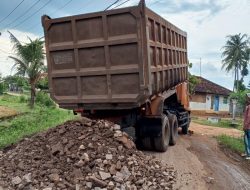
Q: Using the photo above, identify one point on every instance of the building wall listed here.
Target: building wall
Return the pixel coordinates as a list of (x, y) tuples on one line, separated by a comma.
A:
[(198, 102), (202, 102), (223, 106), (208, 101), (197, 106)]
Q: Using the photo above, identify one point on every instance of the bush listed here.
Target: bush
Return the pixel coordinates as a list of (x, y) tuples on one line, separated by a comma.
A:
[(43, 84), (1, 88), (23, 99), (43, 99)]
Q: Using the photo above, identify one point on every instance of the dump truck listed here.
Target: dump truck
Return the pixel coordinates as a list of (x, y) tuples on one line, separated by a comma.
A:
[(128, 65)]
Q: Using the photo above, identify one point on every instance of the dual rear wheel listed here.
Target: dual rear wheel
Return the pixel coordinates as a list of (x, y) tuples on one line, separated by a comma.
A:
[(167, 135)]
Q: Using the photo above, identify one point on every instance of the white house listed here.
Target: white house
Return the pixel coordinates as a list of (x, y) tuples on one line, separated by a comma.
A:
[(209, 97)]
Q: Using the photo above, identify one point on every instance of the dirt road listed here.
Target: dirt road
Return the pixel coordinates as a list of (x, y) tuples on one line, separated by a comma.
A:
[(200, 163)]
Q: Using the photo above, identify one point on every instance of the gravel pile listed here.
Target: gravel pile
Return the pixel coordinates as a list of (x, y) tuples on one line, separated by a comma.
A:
[(81, 155)]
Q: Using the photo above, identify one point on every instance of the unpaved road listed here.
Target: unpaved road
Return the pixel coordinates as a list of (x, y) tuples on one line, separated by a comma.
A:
[(201, 164)]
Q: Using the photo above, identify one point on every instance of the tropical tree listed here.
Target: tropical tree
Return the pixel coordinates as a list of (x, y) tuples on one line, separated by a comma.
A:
[(236, 57), (1, 84), (29, 62), (193, 81)]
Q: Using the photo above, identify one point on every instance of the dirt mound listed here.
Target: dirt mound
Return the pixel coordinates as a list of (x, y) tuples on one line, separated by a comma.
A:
[(82, 155)]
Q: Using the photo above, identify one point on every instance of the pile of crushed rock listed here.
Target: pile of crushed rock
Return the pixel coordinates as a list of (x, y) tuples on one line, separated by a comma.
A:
[(79, 155)]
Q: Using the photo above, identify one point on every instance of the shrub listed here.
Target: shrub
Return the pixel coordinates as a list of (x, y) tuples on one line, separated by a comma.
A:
[(43, 99), (23, 99), (1, 88)]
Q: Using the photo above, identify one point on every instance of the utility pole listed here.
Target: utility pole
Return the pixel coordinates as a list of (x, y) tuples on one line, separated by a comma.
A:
[(200, 67)]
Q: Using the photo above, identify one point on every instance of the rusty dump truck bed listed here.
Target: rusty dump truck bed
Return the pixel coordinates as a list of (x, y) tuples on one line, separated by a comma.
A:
[(113, 59)]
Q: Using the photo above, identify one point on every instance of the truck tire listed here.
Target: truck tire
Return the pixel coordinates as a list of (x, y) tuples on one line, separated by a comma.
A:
[(161, 143), (142, 143), (184, 129), (173, 123), (146, 143)]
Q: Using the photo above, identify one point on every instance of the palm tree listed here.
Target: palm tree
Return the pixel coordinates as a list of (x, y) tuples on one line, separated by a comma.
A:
[(236, 57), (29, 62)]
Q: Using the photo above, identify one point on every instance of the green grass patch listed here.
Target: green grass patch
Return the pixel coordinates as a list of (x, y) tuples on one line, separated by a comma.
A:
[(29, 121), (235, 144), (224, 123), (33, 122), (14, 102)]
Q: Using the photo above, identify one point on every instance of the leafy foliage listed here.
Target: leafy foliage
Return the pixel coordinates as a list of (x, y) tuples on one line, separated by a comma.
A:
[(43, 99), (23, 99), (240, 96), (2, 86), (192, 81), (236, 57), (43, 83), (19, 80), (29, 61), (241, 86)]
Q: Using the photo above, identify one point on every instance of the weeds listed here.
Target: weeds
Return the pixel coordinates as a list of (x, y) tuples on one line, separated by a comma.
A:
[(235, 144), (224, 123), (31, 121)]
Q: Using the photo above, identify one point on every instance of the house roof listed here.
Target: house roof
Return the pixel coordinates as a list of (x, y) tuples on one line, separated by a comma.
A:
[(207, 86)]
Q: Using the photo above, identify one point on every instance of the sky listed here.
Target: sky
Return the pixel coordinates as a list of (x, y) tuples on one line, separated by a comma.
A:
[(207, 23)]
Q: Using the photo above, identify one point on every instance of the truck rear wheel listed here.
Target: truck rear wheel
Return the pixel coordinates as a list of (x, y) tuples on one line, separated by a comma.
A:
[(173, 123), (161, 143), (146, 143), (143, 143), (184, 129)]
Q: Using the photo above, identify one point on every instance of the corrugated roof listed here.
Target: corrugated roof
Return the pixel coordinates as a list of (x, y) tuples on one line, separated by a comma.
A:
[(207, 86)]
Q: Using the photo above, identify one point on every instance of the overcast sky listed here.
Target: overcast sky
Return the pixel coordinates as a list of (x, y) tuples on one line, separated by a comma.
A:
[(207, 23)]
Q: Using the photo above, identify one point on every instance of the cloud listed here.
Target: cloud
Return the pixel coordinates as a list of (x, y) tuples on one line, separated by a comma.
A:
[(210, 71), (202, 8)]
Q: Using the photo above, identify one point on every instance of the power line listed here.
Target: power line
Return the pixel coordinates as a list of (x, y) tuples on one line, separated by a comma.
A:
[(35, 27), (31, 15), (63, 6), (27, 11), (12, 11), (111, 5), (155, 2), (89, 3), (121, 4)]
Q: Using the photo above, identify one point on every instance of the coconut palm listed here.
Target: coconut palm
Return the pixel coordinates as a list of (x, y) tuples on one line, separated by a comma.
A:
[(236, 57), (29, 62)]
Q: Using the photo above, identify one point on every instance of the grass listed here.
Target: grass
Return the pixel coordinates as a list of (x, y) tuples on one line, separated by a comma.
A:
[(14, 102), (30, 121), (224, 123), (7, 112), (235, 144)]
